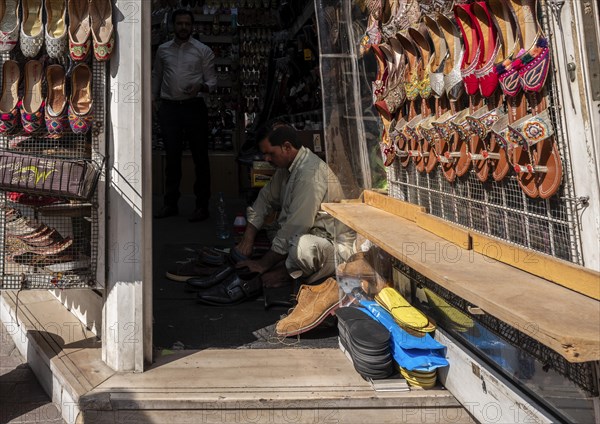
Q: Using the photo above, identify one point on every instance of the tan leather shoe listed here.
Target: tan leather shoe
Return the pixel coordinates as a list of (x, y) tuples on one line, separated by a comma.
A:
[(102, 28), (315, 303)]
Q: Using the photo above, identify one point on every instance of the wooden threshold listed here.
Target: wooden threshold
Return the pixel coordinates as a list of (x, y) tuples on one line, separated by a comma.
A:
[(561, 319)]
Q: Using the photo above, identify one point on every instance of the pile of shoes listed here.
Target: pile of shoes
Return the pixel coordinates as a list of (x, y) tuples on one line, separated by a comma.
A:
[(33, 243), (216, 280), (366, 342)]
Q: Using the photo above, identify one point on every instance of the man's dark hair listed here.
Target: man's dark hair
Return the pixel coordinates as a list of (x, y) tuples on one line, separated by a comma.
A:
[(265, 130), (282, 134), (181, 12)]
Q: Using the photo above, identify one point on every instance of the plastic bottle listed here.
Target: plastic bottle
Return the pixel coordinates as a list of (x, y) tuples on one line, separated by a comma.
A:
[(222, 226), (239, 224)]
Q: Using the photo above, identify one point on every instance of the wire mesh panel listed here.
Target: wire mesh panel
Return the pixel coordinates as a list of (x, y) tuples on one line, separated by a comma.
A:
[(48, 199)]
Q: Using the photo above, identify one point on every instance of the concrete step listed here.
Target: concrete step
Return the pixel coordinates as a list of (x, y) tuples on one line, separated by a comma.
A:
[(208, 386)]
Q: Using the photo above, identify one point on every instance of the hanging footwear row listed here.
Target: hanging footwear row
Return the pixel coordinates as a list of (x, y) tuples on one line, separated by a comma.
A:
[(54, 113), (54, 56), (33, 23), (461, 84)]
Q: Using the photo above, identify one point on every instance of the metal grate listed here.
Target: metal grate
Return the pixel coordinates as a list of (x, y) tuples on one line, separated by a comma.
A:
[(580, 374), (501, 209), (49, 237)]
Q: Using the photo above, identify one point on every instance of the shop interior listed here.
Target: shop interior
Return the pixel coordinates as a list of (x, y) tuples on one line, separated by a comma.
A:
[(267, 64)]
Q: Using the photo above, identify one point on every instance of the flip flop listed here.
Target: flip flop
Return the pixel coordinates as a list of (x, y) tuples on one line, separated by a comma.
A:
[(406, 315)]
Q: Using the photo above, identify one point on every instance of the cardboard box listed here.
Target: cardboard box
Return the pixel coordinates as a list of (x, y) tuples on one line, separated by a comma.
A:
[(260, 177)]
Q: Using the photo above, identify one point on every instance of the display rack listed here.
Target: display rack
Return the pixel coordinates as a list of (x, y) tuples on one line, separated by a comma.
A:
[(49, 229)]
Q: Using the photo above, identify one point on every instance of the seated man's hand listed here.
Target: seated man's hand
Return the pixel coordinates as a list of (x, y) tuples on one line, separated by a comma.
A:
[(253, 266), (244, 248)]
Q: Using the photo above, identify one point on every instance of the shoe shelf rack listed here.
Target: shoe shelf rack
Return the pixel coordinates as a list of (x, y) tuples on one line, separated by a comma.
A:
[(502, 209), (49, 221)]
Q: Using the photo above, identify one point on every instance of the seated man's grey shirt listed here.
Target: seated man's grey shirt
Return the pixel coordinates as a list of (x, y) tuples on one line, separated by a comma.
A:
[(297, 193)]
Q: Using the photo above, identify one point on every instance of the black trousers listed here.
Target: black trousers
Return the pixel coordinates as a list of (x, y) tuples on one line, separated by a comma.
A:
[(181, 121)]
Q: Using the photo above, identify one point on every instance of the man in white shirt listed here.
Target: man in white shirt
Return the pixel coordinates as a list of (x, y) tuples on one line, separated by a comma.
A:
[(183, 71)]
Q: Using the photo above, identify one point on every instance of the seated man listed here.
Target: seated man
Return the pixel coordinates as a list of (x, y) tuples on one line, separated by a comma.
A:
[(303, 246)]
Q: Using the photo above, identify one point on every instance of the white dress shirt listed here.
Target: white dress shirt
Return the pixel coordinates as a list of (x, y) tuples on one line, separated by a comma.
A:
[(180, 69)]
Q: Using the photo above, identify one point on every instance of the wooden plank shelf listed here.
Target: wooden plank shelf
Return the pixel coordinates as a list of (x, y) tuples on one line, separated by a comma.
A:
[(563, 320)]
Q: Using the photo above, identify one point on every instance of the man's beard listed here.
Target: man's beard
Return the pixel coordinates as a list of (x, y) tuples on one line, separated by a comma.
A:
[(183, 35)]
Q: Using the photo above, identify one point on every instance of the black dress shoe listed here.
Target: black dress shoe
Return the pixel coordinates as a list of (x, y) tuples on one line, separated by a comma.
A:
[(232, 291), (216, 277), (199, 215), (166, 211)]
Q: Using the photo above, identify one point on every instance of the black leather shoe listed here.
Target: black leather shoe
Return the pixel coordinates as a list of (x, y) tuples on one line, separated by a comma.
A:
[(166, 211), (216, 277), (199, 215), (233, 291)]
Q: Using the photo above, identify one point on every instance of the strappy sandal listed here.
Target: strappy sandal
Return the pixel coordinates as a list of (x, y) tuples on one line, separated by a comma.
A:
[(410, 132), (426, 139), (521, 156), (429, 135), (387, 145), (443, 143), (545, 164), (400, 141), (460, 146), (481, 123)]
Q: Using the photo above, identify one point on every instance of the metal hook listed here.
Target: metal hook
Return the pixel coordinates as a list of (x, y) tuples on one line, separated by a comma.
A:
[(556, 7), (583, 201)]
